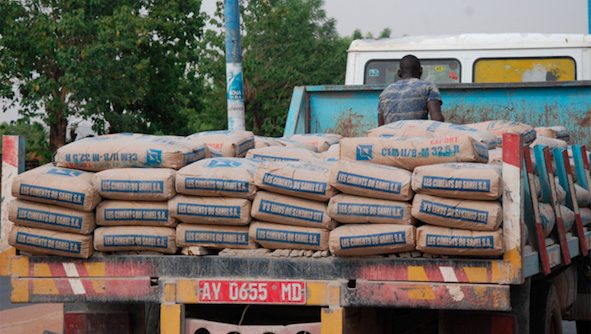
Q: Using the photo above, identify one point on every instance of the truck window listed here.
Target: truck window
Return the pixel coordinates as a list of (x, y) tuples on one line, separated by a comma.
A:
[(385, 71), (524, 69)]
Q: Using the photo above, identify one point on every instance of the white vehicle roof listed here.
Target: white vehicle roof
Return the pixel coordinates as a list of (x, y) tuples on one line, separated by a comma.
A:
[(472, 42)]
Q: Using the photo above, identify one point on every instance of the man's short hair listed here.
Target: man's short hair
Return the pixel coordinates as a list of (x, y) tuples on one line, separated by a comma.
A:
[(410, 64)]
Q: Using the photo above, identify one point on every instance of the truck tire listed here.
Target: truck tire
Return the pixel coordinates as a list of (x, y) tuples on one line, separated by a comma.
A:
[(546, 317)]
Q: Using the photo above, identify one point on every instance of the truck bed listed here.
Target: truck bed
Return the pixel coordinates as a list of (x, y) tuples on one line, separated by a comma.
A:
[(445, 283)]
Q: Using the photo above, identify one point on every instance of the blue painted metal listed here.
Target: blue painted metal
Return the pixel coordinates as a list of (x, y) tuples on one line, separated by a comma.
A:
[(562, 176), (234, 76), (542, 174), (352, 110), (580, 167)]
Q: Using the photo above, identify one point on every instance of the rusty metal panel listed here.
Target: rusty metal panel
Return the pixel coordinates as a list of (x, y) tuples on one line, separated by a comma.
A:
[(332, 268), (352, 110), (82, 290), (448, 296)]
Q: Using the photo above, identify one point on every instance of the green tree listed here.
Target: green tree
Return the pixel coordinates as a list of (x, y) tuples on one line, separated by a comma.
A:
[(127, 65), (385, 33), (286, 43), (36, 143)]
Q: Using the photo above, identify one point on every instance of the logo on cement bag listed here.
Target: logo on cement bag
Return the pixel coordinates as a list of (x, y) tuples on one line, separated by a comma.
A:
[(215, 163), (364, 152), (153, 157), (64, 172)]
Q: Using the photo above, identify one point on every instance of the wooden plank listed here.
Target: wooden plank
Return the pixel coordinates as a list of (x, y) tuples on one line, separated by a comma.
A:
[(548, 182), (513, 206), (532, 217)]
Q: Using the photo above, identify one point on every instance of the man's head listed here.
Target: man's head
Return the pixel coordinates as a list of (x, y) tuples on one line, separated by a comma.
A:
[(410, 67)]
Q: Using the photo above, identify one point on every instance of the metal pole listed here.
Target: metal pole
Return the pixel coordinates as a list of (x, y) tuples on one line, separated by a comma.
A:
[(234, 81), (589, 16)]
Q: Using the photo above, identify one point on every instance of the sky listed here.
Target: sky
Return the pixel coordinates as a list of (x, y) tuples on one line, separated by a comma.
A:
[(432, 17)]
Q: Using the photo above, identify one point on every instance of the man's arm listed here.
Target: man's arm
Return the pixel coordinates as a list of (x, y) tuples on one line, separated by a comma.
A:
[(434, 108), (380, 118)]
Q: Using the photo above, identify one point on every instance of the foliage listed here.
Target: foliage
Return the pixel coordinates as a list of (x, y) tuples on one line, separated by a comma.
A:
[(36, 143), (128, 65), (286, 43)]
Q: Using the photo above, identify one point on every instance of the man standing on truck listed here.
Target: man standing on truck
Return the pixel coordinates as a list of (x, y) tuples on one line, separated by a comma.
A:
[(409, 97)]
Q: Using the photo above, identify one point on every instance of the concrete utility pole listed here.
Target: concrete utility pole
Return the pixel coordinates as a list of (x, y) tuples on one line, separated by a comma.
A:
[(234, 78)]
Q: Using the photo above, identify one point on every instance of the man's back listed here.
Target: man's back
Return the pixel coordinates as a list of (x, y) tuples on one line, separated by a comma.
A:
[(407, 99)]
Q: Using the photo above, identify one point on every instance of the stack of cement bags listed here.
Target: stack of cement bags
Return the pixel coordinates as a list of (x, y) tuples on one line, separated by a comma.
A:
[(291, 212), (459, 204), (53, 212), (373, 209), (135, 217), (136, 174), (214, 203)]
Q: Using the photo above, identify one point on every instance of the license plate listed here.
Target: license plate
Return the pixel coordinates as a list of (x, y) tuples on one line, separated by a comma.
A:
[(252, 292)]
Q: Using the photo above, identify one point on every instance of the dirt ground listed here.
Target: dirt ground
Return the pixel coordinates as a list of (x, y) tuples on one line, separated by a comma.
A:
[(34, 319)]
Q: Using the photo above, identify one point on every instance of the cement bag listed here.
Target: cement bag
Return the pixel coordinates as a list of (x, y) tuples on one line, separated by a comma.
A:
[(568, 217), (289, 210), (299, 179), (550, 142), (582, 195), (40, 241), (278, 236), (213, 236), (332, 153), (495, 156), (286, 142), (63, 187), (354, 209), (133, 213), (462, 180), (371, 239), (431, 129), (409, 153), (548, 218), (451, 241), (133, 238), (229, 143), (124, 150), (283, 154), (585, 216), (558, 132), (136, 184), (210, 210), (227, 177), (500, 127), (458, 213), (260, 142), (320, 141), (371, 180), (50, 217)]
